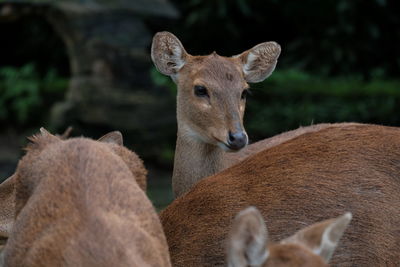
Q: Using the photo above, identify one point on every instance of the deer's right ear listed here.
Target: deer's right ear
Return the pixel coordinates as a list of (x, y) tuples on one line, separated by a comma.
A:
[(112, 138), (260, 61), (247, 241), (168, 53), (322, 238)]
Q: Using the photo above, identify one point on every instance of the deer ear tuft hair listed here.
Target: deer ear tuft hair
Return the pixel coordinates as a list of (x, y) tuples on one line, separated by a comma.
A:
[(41, 140)]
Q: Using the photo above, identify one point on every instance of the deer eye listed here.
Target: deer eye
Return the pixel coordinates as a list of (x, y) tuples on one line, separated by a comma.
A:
[(245, 93), (200, 91)]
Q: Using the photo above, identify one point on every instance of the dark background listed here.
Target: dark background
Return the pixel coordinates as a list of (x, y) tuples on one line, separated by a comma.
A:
[(340, 62)]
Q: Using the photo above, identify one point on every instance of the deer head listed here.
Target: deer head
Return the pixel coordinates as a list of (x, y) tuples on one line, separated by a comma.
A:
[(312, 246), (212, 89)]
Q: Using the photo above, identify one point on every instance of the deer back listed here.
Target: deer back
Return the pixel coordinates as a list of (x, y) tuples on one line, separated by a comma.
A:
[(309, 178)]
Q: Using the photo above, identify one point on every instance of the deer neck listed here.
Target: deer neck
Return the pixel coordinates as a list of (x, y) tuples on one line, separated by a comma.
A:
[(194, 160)]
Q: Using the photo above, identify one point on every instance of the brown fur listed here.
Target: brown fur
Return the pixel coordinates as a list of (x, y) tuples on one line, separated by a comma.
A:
[(7, 209), (305, 179), (204, 123), (78, 204)]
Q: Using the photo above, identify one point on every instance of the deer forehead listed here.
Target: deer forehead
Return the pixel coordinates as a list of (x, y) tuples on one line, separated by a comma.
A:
[(217, 73)]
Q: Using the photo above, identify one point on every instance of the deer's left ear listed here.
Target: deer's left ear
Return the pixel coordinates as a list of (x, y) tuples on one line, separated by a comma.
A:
[(260, 61), (167, 53), (322, 238)]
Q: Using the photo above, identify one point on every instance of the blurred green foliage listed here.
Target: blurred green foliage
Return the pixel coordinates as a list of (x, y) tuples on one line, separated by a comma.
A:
[(162, 80), (26, 97)]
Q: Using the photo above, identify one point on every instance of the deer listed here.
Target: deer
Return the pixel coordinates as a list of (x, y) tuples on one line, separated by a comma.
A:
[(248, 242), (308, 178), (211, 101), (7, 193), (80, 202)]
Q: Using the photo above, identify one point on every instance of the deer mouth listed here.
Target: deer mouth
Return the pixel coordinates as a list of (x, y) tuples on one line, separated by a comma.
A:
[(225, 146), (221, 144), (230, 146)]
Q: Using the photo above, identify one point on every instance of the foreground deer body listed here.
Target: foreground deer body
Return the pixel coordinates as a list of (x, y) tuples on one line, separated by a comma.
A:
[(249, 245), (78, 204), (210, 103), (309, 178), (7, 193)]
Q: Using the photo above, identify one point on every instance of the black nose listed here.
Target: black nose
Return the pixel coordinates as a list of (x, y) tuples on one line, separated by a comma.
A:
[(237, 140)]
